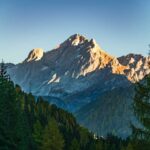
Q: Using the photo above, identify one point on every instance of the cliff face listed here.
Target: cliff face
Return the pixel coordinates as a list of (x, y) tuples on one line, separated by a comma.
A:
[(35, 55), (75, 65), (137, 66)]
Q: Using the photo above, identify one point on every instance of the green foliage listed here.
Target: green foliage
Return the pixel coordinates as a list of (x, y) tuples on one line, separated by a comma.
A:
[(3, 71), (142, 103), (52, 138), (141, 135), (38, 133), (29, 124), (8, 112), (74, 145)]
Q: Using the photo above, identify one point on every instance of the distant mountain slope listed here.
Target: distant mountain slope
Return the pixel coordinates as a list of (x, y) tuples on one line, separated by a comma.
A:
[(110, 113)]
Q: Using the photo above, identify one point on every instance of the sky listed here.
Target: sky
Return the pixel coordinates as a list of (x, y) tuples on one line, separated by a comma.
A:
[(119, 26)]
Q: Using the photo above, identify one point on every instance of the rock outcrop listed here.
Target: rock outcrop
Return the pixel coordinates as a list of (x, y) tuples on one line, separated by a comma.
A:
[(35, 55)]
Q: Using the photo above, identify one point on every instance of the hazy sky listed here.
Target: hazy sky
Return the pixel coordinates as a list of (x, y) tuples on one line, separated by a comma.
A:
[(118, 26)]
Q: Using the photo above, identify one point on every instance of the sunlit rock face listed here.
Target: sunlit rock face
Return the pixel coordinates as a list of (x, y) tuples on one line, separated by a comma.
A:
[(35, 55), (136, 66), (73, 66), (78, 64)]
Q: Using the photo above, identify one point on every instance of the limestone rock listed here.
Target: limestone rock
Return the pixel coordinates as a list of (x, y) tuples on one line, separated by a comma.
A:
[(35, 55)]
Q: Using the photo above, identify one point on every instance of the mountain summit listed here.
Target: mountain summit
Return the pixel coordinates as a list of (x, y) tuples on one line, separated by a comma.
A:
[(63, 70), (36, 54), (75, 40), (76, 65)]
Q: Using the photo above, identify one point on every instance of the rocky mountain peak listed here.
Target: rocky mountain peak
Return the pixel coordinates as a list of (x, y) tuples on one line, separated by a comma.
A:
[(35, 55), (74, 40), (130, 59), (93, 42), (136, 66), (77, 63), (84, 55), (77, 39)]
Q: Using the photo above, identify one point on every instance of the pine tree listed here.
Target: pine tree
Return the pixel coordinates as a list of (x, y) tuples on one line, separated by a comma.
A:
[(74, 145), (130, 147), (3, 71), (142, 110), (8, 111), (21, 130), (38, 134), (28, 127), (141, 106), (52, 138)]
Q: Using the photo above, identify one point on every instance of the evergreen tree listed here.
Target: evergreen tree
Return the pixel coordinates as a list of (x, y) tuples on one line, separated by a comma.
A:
[(3, 71), (26, 115), (27, 124), (38, 134), (8, 113), (129, 147), (52, 138), (141, 106), (74, 145), (84, 137), (21, 124)]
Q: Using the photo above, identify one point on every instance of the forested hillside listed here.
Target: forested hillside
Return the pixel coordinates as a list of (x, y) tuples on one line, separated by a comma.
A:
[(29, 124)]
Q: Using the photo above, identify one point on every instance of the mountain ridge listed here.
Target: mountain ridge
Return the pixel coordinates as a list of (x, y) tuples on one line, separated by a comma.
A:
[(76, 73), (78, 56)]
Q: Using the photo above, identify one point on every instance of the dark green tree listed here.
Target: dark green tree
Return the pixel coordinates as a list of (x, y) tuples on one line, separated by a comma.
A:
[(129, 147), (74, 145), (8, 113), (30, 124), (38, 134), (52, 138), (141, 106), (3, 71)]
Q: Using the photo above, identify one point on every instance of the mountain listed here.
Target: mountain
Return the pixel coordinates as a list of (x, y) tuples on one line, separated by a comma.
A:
[(62, 71), (78, 75), (111, 112)]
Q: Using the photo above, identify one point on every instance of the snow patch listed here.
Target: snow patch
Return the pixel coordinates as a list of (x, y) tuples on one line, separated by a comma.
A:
[(54, 79)]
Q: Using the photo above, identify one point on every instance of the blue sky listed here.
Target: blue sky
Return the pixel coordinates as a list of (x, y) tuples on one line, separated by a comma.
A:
[(119, 26)]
